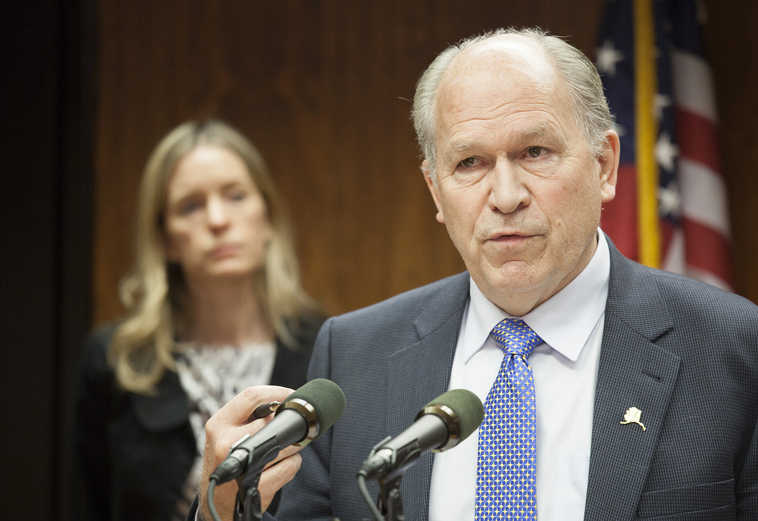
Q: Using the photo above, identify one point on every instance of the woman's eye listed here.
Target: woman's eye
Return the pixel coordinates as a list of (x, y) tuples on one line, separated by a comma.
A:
[(237, 195), (469, 162), (189, 207)]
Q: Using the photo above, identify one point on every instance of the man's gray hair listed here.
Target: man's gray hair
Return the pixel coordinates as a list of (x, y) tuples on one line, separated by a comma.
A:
[(581, 76)]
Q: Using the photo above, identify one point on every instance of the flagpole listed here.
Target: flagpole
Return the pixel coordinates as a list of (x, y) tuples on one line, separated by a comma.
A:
[(646, 128)]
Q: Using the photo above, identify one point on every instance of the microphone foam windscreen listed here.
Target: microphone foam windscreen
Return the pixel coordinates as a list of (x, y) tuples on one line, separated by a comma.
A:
[(326, 397), (466, 405)]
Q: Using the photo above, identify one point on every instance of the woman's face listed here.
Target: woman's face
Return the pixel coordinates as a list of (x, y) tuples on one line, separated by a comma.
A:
[(216, 222)]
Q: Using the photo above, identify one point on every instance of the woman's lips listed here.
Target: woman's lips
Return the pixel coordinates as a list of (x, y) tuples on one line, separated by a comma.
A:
[(225, 250)]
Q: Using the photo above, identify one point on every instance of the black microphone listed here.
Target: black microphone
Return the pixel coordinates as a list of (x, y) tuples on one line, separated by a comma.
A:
[(442, 424), (303, 416)]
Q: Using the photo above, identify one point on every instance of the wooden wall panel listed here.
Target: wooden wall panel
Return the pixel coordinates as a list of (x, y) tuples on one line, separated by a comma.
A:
[(732, 51), (323, 88)]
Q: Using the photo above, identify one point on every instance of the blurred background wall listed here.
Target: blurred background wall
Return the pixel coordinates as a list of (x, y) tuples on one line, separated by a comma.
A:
[(323, 88)]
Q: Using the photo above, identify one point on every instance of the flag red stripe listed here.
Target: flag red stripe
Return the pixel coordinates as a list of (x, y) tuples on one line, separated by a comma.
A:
[(707, 250), (619, 217), (697, 139)]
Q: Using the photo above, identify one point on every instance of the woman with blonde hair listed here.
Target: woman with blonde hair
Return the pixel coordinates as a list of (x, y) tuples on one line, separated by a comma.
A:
[(214, 304)]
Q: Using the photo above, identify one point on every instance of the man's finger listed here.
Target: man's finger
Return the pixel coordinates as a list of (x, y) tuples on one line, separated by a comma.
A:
[(276, 476), (286, 452), (238, 410)]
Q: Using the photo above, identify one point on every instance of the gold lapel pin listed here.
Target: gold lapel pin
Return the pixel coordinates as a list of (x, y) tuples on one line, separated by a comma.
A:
[(633, 415)]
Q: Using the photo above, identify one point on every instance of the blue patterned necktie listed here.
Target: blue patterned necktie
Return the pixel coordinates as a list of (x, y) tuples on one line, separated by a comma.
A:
[(506, 470)]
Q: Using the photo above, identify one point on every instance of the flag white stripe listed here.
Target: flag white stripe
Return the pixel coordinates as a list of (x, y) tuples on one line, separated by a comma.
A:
[(693, 88), (674, 260), (703, 195)]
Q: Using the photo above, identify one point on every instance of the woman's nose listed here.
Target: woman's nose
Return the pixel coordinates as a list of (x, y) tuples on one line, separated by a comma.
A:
[(217, 213)]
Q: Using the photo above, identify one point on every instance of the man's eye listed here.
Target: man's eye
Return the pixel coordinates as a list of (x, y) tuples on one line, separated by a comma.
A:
[(534, 152), (469, 162)]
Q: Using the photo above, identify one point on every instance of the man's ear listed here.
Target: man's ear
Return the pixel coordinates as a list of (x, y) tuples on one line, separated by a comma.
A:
[(609, 165), (431, 183)]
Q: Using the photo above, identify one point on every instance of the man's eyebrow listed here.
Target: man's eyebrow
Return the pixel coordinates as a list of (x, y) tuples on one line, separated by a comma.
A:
[(538, 132), (461, 146), (455, 149)]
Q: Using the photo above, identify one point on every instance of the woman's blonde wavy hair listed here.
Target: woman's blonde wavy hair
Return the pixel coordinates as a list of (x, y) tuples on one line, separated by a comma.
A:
[(143, 344)]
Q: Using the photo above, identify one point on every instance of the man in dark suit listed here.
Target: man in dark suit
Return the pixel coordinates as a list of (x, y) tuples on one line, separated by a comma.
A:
[(638, 389)]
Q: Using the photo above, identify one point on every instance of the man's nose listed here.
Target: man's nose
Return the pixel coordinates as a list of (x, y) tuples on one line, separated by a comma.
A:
[(507, 190)]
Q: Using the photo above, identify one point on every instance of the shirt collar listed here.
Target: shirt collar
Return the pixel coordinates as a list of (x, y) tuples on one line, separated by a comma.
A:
[(564, 321)]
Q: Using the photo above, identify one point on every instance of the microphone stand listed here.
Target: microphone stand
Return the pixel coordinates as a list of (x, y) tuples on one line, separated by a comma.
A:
[(390, 501), (247, 506)]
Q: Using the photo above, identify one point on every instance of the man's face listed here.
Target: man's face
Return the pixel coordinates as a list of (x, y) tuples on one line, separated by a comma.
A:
[(517, 183)]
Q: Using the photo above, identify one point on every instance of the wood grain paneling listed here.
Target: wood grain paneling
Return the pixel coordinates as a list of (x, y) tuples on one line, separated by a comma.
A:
[(323, 89), (732, 49)]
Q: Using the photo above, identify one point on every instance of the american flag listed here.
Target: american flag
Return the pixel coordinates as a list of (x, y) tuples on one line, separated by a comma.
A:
[(671, 208)]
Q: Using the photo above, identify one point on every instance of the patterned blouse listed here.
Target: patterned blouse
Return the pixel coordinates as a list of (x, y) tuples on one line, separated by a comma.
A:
[(211, 376)]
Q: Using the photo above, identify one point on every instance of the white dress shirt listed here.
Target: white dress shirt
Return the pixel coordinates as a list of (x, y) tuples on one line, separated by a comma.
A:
[(565, 371)]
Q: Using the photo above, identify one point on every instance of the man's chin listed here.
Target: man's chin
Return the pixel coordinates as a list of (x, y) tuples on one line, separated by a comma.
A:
[(513, 285), (512, 275)]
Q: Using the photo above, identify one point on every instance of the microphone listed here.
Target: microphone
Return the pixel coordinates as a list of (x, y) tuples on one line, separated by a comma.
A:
[(303, 416), (442, 424)]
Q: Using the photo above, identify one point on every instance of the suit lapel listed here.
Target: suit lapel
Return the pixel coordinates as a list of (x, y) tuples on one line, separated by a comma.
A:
[(633, 372), (419, 372)]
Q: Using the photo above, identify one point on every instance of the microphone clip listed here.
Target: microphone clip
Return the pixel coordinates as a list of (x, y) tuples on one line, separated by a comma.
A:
[(247, 506), (389, 502)]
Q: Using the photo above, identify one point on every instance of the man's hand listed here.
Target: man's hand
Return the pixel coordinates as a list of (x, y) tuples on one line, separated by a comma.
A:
[(227, 426)]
